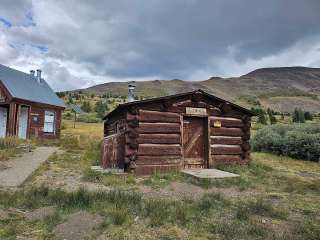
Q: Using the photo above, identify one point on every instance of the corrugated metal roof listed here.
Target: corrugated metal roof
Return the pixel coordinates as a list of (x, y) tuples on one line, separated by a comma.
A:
[(24, 86)]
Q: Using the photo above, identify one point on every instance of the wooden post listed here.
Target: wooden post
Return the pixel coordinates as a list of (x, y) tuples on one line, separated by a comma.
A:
[(75, 119), (12, 119)]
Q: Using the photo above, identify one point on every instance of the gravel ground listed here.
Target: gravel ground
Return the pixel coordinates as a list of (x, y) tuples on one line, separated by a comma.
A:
[(19, 169)]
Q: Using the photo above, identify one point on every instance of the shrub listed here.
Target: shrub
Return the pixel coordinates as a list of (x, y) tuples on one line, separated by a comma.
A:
[(297, 141), (308, 116), (9, 142), (119, 216), (273, 119), (70, 142), (88, 118)]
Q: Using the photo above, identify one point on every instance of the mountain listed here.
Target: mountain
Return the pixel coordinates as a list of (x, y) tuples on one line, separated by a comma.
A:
[(281, 89)]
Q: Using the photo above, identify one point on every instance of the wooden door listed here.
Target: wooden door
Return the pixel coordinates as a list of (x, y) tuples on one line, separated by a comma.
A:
[(23, 122), (194, 142)]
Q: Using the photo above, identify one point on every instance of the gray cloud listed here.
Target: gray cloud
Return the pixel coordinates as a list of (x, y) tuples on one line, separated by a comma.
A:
[(100, 41)]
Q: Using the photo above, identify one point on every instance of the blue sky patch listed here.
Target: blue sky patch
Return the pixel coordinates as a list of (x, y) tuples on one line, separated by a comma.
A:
[(29, 20), (41, 48)]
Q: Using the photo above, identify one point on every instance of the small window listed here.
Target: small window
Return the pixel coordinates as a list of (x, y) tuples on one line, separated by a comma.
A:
[(49, 122), (35, 119)]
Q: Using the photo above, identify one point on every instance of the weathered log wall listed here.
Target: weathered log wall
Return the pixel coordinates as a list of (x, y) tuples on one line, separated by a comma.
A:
[(229, 140), (159, 141), (153, 133)]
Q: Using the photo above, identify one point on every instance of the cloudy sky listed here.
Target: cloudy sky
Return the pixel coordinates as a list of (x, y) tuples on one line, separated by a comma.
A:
[(81, 43)]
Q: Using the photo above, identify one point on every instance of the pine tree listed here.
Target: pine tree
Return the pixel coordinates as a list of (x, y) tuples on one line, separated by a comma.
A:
[(70, 99), (262, 119), (298, 116), (101, 109), (86, 107)]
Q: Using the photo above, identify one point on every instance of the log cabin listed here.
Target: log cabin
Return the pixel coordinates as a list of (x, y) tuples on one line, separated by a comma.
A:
[(28, 106), (187, 130)]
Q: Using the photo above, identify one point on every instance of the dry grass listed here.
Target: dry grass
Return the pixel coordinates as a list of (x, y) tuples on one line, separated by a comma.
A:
[(88, 129), (276, 198)]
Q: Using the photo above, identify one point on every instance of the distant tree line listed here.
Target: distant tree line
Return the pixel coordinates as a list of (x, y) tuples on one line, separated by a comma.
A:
[(269, 115)]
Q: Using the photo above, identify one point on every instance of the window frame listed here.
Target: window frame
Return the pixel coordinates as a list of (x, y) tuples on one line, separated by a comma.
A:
[(51, 114)]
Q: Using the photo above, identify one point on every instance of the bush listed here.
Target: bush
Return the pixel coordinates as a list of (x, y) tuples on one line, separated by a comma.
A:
[(308, 116), (88, 118), (302, 142)]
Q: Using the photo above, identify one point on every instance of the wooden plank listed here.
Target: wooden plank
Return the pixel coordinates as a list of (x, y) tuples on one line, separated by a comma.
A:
[(227, 121), (226, 140), (159, 149), (159, 128), (153, 160), (217, 149), (156, 117), (159, 138), (232, 132)]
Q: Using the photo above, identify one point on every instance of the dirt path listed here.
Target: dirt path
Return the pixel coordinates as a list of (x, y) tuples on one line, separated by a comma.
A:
[(19, 169)]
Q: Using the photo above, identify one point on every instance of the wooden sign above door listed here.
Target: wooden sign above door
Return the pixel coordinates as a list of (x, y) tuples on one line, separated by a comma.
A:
[(196, 111)]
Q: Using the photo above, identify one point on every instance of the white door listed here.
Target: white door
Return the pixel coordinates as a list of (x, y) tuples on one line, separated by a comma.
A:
[(23, 122), (3, 121)]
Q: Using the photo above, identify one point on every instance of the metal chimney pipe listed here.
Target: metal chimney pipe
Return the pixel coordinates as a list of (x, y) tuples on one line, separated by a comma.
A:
[(131, 88), (32, 73), (39, 75)]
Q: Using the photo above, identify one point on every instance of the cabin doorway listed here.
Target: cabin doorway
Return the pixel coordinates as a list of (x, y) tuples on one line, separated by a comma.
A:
[(23, 122), (195, 142), (3, 121)]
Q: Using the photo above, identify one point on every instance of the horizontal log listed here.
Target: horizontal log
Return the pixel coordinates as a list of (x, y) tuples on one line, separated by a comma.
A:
[(159, 138), (155, 116), (159, 128), (133, 123), (129, 151), (132, 133), (154, 160), (217, 149), (226, 158), (227, 121), (234, 132), (246, 146), (131, 117), (246, 137), (159, 149), (133, 145), (226, 140)]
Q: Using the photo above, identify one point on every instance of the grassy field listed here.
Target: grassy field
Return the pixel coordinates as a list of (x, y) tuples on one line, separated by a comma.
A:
[(274, 198)]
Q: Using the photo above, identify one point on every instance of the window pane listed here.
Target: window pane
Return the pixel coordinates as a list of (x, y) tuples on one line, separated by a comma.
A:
[(49, 122)]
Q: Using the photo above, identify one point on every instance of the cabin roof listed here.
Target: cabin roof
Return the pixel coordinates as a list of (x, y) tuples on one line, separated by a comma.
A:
[(26, 87), (141, 102)]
